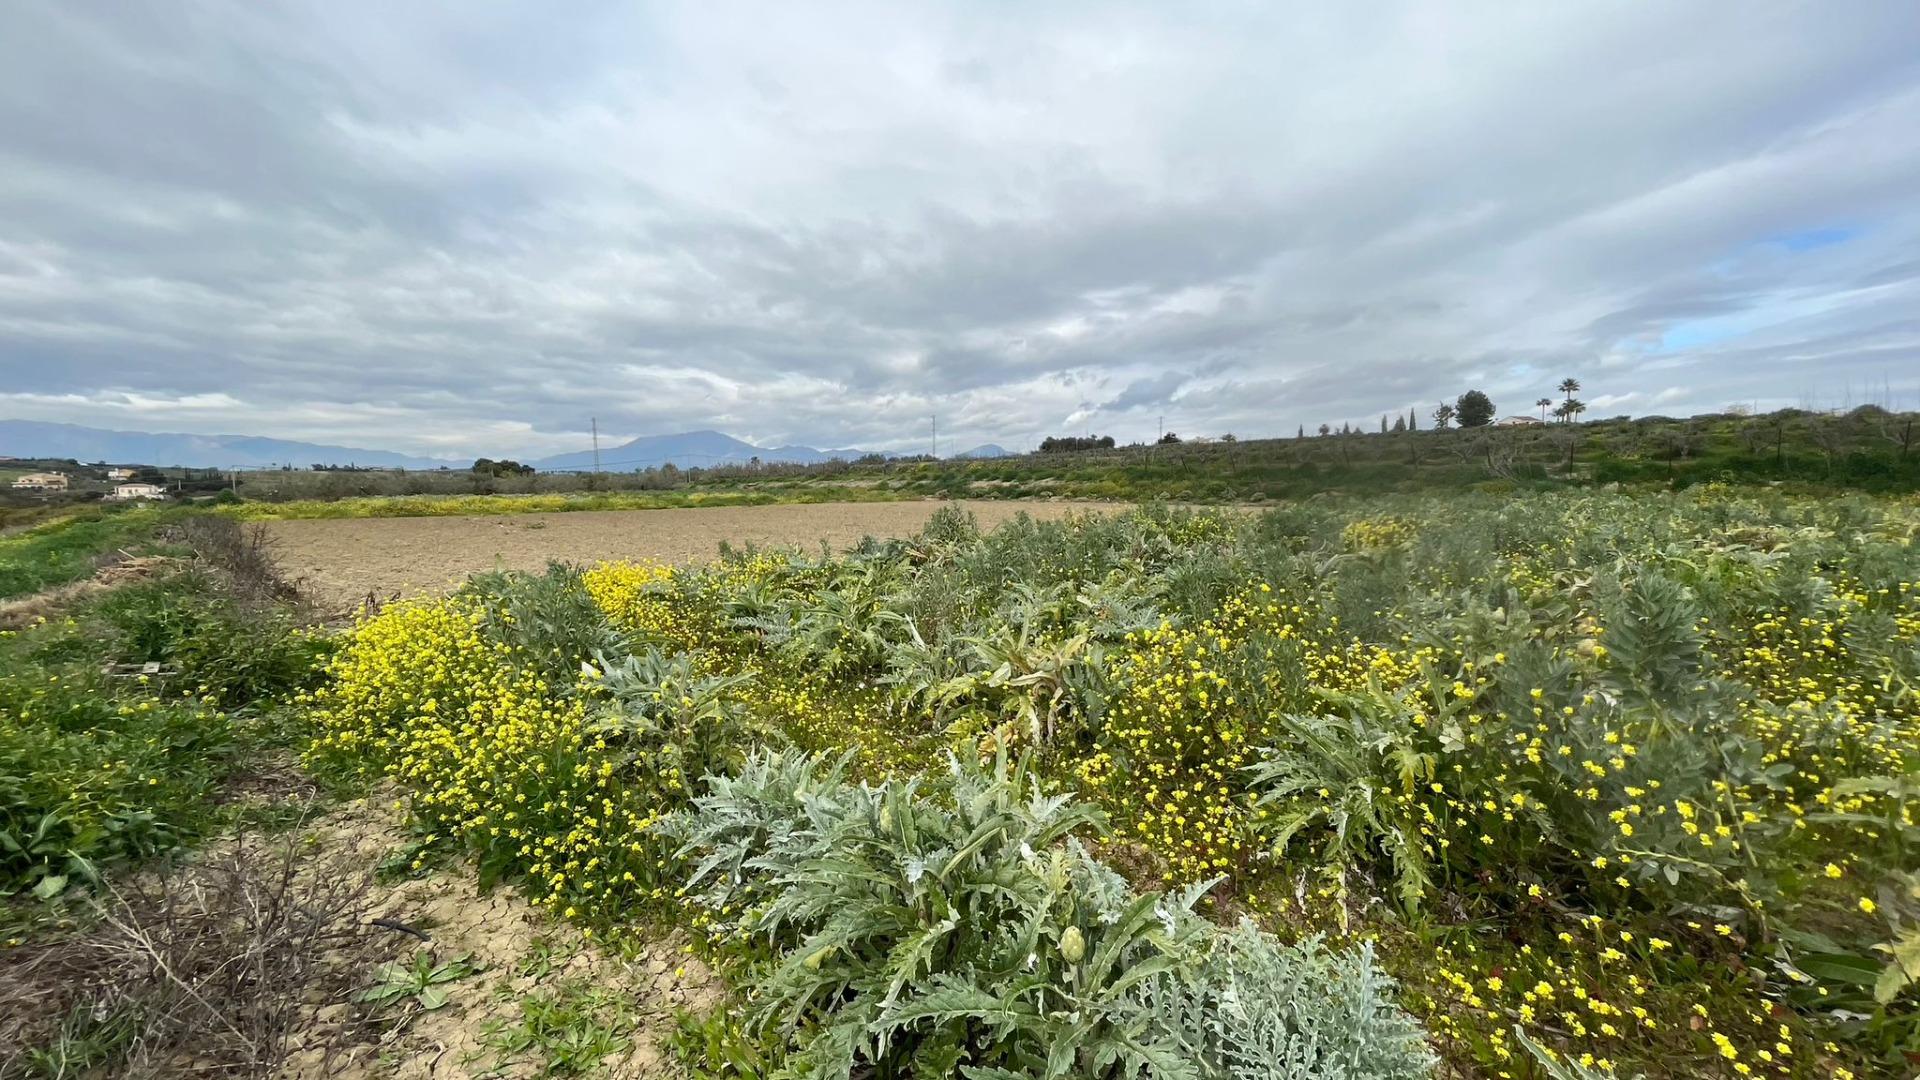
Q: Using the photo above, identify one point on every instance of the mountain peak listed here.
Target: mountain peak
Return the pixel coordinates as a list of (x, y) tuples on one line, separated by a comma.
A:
[(687, 450)]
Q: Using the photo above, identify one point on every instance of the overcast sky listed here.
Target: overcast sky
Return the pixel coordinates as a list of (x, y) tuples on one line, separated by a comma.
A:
[(467, 228)]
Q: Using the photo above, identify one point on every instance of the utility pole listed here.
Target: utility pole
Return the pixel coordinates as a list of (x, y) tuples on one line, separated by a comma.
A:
[(595, 421), (936, 435)]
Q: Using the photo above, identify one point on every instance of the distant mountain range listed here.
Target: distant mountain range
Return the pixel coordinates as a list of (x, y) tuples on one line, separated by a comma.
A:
[(985, 450), (688, 450), (36, 439)]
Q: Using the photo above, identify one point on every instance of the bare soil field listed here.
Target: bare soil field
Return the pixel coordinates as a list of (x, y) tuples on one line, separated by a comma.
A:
[(344, 560)]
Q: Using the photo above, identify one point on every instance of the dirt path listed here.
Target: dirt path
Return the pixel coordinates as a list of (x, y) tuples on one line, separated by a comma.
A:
[(542, 994), (344, 560)]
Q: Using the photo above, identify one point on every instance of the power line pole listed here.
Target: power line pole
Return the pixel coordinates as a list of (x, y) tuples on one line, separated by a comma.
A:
[(595, 421), (936, 434)]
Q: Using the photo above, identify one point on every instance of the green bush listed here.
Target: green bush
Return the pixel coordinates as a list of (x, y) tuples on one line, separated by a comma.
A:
[(224, 652), (549, 618), (969, 934), (1256, 1009)]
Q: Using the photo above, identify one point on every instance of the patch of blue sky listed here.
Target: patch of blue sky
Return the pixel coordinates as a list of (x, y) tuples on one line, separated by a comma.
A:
[(1699, 333), (1813, 239)]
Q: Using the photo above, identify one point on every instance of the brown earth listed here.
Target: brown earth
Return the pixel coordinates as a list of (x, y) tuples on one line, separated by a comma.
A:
[(255, 954), (520, 952), (345, 560)]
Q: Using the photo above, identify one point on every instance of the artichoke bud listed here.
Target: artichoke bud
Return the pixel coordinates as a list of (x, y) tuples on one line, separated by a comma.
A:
[(1073, 945)]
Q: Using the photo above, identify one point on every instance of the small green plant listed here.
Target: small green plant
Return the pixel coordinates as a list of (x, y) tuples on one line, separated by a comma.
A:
[(88, 1038), (421, 980), (423, 852), (715, 1045), (567, 1031)]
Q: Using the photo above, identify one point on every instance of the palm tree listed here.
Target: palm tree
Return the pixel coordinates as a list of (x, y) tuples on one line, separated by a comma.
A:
[(1569, 387), (1569, 409), (1544, 403)]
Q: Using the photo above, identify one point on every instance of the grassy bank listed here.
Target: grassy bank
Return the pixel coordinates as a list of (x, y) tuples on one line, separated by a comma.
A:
[(67, 550)]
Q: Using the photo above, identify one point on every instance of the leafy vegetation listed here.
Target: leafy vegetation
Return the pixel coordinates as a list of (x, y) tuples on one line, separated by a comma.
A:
[(969, 934), (1473, 409), (419, 983), (1581, 783), (103, 760), (1632, 774)]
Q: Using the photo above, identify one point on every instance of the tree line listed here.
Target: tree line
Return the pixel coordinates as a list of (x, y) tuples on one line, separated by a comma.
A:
[(1471, 409)]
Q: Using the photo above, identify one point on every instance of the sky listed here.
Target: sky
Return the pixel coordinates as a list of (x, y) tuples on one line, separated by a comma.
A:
[(464, 229)]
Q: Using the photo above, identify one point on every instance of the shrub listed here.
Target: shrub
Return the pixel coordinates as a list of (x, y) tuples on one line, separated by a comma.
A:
[(971, 934), (557, 782), (1255, 1009), (1189, 708), (492, 757), (552, 619), (227, 652)]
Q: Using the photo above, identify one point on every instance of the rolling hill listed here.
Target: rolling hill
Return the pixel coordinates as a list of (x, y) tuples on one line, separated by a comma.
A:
[(34, 438)]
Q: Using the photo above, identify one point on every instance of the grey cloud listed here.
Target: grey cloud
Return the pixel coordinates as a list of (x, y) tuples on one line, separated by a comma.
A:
[(394, 226), (1145, 393)]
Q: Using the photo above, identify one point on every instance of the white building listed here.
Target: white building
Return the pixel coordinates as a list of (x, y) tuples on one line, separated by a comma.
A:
[(139, 491), (119, 474)]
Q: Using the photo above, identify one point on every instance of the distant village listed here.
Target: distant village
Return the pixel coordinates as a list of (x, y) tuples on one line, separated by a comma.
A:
[(28, 480)]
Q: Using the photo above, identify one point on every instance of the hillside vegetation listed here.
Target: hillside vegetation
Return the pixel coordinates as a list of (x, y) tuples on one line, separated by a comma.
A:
[(1867, 449)]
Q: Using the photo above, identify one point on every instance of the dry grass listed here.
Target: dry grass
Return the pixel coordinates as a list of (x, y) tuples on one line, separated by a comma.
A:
[(244, 555), (117, 570), (206, 970)]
